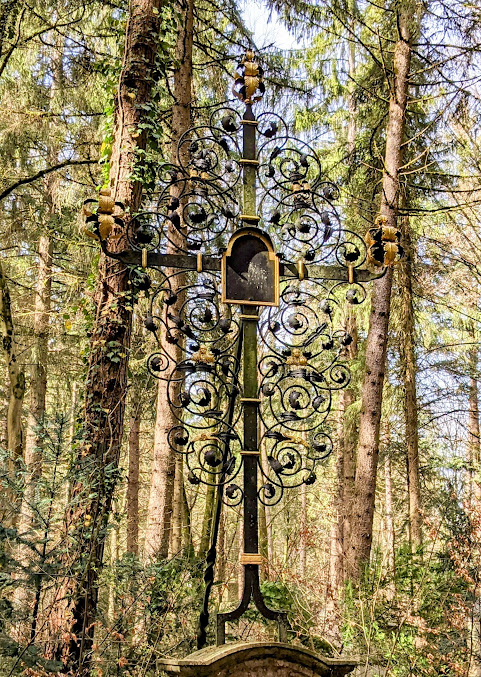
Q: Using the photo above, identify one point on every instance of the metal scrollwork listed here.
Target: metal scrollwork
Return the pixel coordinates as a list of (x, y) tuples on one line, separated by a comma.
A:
[(242, 207), (303, 366)]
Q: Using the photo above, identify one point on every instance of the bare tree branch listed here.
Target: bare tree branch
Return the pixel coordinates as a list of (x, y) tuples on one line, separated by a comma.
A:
[(43, 172)]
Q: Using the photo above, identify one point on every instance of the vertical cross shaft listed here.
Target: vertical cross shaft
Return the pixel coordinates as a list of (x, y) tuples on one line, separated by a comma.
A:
[(250, 558), (251, 443), (249, 328)]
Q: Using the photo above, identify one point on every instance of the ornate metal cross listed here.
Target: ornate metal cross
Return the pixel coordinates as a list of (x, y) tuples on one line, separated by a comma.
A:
[(249, 319)]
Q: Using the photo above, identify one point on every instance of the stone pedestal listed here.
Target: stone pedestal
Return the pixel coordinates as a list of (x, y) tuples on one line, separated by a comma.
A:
[(256, 659)]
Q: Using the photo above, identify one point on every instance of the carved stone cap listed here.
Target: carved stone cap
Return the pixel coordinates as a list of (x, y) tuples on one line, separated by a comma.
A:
[(257, 659)]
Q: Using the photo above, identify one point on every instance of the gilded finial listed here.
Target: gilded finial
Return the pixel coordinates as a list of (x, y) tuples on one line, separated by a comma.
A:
[(249, 86)]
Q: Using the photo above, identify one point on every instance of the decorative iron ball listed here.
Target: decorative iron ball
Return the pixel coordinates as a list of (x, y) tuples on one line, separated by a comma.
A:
[(144, 235), (351, 297), (156, 363), (275, 464), (326, 307), (318, 401), (228, 123), (224, 324), (269, 490), (144, 282), (320, 446), (149, 323), (193, 479), (231, 491), (181, 439), (184, 398), (211, 458), (352, 255)]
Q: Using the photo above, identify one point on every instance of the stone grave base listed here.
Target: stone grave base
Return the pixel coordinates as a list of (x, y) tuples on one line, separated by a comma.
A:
[(256, 659)]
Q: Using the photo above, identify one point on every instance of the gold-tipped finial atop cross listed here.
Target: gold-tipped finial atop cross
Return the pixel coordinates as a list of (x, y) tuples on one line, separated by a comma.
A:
[(249, 85)]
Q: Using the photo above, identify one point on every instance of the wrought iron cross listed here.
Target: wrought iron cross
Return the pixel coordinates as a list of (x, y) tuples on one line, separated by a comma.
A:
[(251, 310)]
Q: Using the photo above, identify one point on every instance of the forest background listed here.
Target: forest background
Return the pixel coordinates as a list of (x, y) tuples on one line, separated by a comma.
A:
[(102, 538)]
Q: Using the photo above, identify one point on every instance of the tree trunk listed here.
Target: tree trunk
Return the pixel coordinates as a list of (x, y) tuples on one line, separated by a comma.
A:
[(407, 351), (72, 434), (16, 376), (345, 470), (207, 521), (221, 557), (474, 500), (263, 542), (159, 513), (16, 391), (133, 483), (176, 541), (474, 440), (38, 382), (187, 544), (303, 533), (390, 540), (368, 445), (96, 467), (345, 466), (159, 518), (23, 597), (267, 508)]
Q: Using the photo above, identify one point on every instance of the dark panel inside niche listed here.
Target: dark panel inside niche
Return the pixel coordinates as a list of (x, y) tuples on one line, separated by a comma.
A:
[(250, 273)]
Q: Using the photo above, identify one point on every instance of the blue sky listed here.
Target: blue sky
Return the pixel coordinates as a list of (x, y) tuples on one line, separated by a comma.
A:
[(267, 29)]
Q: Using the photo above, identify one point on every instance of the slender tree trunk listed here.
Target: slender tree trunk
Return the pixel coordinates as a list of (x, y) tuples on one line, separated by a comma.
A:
[(15, 394), (389, 531), (96, 466), (336, 557), (159, 518), (474, 439), (73, 422), (159, 513), (23, 597), (114, 558), (474, 501), (176, 541), (267, 508), (38, 383), (240, 572), (303, 533), (187, 544), (345, 466), (133, 483), (207, 521), (346, 469), (221, 557), (263, 542), (16, 376), (407, 350), (368, 446), (27, 522)]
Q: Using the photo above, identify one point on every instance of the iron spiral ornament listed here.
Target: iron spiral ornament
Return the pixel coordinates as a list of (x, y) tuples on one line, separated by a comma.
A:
[(247, 267)]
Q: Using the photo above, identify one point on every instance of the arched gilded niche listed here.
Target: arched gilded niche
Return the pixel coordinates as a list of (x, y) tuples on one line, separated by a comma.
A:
[(250, 270)]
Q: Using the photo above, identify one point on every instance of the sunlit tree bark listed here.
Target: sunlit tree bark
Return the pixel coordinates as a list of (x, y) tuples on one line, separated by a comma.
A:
[(368, 446), (97, 462), (159, 519), (407, 351)]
